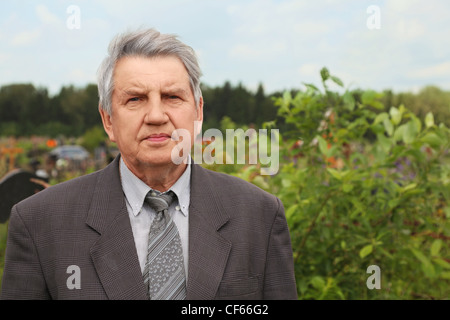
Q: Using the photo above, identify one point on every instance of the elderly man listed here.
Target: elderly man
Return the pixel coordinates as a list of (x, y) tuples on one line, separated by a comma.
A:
[(146, 227)]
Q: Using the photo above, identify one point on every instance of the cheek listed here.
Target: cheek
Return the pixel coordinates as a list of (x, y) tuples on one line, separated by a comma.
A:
[(125, 131)]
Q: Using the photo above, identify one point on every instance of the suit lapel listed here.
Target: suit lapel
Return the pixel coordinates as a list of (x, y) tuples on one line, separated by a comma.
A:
[(114, 254), (208, 250)]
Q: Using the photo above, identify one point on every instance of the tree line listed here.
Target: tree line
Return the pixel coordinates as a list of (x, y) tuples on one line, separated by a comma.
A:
[(27, 110)]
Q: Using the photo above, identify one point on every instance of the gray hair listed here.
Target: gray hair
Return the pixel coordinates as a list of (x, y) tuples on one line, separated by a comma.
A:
[(147, 43)]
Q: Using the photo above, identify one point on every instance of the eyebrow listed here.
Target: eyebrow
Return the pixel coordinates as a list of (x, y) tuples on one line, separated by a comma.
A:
[(176, 90), (134, 92), (139, 89)]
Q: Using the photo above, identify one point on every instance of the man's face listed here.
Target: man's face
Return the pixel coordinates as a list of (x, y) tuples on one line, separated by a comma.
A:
[(152, 97)]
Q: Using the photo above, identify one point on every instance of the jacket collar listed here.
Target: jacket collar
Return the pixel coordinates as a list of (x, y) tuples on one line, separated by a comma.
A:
[(208, 250), (114, 253)]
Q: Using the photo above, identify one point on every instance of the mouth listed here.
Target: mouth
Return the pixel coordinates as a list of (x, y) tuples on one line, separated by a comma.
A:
[(159, 137)]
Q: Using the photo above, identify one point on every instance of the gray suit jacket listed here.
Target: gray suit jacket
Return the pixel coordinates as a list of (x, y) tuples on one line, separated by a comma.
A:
[(239, 245)]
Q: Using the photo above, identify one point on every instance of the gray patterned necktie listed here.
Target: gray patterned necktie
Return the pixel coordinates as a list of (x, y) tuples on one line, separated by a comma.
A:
[(164, 270)]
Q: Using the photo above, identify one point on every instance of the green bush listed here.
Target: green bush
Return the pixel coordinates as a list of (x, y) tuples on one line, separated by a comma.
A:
[(362, 184), (93, 138), (368, 186)]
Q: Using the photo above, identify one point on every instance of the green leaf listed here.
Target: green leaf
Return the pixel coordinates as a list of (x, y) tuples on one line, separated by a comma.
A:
[(440, 262), (432, 139), (286, 183), (323, 145), (436, 247), (429, 120), (369, 98), (311, 86), (318, 283), (408, 187), (384, 142), (429, 270), (346, 187), (337, 81), (269, 124), (393, 203), (325, 74), (388, 126), (349, 101), (410, 132), (447, 212), (291, 210), (417, 123), (301, 174), (427, 266), (381, 117), (260, 182), (335, 173), (396, 115), (399, 133), (287, 96), (387, 254), (419, 255), (366, 251)]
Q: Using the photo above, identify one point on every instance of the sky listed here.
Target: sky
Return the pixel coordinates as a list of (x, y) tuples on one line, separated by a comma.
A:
[(402, 45)]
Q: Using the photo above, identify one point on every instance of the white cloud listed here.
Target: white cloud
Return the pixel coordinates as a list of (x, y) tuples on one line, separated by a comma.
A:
[(4, 57), (78, 75), (45, 16), (312, 27), (26, 38), (309, 70), (409, 29), (432, 72), (259, 51)]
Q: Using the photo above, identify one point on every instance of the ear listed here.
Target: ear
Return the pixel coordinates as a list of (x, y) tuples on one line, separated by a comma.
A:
[(107, 123), (198, 122), (200, 110)]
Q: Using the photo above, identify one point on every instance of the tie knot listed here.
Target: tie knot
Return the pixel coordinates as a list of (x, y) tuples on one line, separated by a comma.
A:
[(160, 201)]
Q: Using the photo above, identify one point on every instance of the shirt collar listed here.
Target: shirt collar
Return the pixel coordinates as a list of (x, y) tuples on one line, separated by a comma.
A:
[(135, 189)]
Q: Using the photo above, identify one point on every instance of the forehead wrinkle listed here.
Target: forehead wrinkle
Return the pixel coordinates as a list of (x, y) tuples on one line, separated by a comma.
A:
[(132, 88), (134, 85), (177, 85)]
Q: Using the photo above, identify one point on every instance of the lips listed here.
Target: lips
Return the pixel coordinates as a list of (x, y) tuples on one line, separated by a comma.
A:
[(159, 137)]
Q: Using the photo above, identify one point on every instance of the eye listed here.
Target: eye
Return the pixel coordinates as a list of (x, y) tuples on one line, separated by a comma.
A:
[(134, 99)]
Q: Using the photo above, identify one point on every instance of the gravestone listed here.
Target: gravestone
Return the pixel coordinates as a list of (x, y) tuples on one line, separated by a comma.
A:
[(14, 187)]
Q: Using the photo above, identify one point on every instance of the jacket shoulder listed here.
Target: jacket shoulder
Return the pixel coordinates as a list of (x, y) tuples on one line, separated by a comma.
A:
[(60, 197)]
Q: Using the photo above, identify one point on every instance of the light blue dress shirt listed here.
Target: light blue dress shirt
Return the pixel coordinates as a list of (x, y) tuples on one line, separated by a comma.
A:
[(141, 215)]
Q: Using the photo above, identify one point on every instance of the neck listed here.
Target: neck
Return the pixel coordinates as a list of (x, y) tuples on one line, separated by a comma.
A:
[(158, 177)]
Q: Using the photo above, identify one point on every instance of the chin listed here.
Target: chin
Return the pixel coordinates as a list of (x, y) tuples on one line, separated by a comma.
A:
[(157, 161)]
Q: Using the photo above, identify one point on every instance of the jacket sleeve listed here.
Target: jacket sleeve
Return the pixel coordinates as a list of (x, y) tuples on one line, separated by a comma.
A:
[(22, 275), (279, 279)]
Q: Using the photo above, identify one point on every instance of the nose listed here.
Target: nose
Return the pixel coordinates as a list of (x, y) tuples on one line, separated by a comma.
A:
[(155, 112)]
